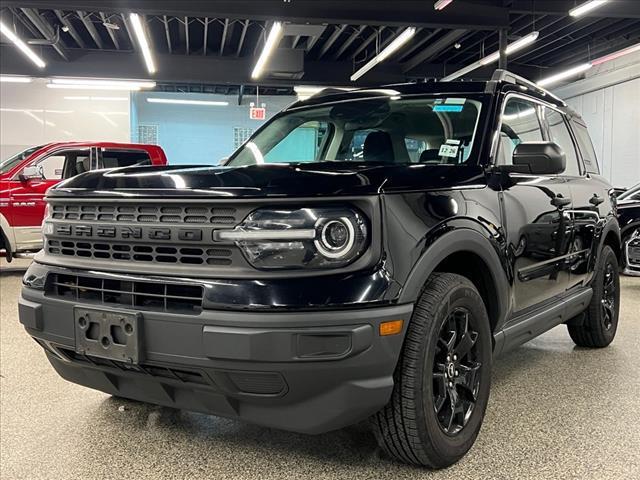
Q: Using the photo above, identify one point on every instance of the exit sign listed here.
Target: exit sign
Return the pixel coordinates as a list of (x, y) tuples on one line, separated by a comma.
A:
[(257, 113)]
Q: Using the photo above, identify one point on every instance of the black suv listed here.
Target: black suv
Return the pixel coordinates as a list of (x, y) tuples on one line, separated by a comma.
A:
[(364, 255)]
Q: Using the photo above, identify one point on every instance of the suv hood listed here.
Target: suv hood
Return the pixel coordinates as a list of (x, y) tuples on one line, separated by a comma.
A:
[(273, 180)]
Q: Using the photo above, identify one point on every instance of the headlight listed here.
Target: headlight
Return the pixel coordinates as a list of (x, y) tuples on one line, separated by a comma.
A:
[(300, 237), (47, 227)]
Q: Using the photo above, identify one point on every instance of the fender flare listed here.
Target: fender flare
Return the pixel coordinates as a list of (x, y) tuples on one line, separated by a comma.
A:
[(460, 240), (611, 225)]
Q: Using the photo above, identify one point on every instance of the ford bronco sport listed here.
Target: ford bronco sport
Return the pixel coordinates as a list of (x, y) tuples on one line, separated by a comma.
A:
[(365, 254)]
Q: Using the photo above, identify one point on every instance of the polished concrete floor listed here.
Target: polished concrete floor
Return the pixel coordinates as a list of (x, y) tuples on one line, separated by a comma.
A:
[(556, 411)]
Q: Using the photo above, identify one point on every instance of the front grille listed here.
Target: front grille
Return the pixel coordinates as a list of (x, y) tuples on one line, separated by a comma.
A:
[(172, 214), (155, 296), (633, 251), (189, 255)]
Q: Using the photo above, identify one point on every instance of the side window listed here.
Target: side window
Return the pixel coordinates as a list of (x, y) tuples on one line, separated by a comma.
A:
[(519, 124), (78, 161), (52, 166), (586, 147), (559, 133), (123, 158), (304, 143)]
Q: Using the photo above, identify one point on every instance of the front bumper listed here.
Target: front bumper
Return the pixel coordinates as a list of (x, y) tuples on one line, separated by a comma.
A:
[(307, 372)]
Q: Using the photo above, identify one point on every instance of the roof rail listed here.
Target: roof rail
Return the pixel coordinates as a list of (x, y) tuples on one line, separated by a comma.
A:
[(507, 76)]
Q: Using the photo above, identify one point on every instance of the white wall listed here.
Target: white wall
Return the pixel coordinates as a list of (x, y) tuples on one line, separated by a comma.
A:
[(609, 101), (31, 114)]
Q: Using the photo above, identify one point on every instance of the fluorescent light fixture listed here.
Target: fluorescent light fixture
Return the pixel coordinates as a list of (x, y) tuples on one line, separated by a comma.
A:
[(24, 48), (440, 4), (99, 84), (15, 79), (545, 82), (398, 42), (178, 101), (618, 54), (99, 99), (586, 7), (511, 48), (275, 34), (305, 91), (141, 36)]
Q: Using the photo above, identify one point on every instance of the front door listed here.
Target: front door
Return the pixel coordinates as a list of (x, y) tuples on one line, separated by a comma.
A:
[(27, 194), (536, 211)]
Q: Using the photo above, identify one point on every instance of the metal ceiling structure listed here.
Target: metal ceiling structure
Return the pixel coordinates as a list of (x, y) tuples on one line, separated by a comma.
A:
[(211, 46)]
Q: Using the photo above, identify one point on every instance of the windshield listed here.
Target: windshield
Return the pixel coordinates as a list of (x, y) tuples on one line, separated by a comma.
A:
[(385, 130), (9, 163)]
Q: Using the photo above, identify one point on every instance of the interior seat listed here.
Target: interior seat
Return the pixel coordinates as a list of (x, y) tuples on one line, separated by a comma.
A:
[(378, 147)]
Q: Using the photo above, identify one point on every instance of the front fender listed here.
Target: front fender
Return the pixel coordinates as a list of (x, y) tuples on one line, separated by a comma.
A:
[(454, 241)]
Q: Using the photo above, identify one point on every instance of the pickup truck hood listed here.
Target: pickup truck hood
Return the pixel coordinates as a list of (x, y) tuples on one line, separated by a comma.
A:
[(273, 180)]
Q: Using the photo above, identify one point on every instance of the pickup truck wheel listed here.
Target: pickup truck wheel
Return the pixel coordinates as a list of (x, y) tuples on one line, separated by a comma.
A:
[(442, 378), (600, 321)]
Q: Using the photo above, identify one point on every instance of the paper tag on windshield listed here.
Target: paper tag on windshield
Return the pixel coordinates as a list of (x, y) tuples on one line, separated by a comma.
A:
[(455, 101), (447, 150)]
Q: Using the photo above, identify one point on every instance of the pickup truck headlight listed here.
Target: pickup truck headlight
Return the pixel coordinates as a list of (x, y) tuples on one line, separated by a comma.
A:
[(310, 238)]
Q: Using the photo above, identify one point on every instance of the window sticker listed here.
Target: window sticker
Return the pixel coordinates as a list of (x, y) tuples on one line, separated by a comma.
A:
[(455, 101), (448, 150), (448, 108)]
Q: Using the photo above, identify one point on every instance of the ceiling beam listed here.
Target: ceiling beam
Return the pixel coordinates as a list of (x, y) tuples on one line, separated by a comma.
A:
[(91, 28), (433, 49), (331, 40), (196, 69), (72, 30), (112, 34), (243, 34), (460, 14), (616, 9), (47, 31)]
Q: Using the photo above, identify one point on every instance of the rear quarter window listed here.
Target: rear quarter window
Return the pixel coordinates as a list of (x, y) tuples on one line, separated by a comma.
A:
[(586, 147)]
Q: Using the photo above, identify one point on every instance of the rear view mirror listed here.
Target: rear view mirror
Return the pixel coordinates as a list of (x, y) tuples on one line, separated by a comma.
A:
[(541, 158), (32, 171)]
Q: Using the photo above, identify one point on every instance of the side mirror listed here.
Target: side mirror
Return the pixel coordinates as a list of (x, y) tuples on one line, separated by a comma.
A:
[(541, 158), (33, 171)]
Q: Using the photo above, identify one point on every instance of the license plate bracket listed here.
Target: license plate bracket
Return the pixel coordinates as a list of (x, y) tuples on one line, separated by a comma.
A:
[(109, 334)]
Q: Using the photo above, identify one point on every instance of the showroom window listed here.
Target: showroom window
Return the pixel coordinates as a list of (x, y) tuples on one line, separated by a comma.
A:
[(302, 144)]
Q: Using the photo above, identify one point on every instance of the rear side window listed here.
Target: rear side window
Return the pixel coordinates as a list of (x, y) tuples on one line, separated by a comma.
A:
[(585, 145), (123, 158), (559, 132)]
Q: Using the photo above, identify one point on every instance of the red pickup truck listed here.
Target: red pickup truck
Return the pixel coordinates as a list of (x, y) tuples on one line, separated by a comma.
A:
[(25, 178)]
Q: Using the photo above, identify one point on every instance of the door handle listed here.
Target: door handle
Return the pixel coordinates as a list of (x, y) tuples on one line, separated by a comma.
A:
[(559, 201), (596, 200)]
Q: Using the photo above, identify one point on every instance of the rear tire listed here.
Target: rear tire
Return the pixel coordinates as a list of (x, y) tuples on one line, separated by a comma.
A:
[(600, 322), (442, 379)]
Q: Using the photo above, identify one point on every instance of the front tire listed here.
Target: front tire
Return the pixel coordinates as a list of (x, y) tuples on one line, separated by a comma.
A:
[(600, 320), (442, 380)]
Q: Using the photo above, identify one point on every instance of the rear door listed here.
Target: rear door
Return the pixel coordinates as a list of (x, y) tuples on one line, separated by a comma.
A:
[(535, 210), (589, 194), (116, 158)]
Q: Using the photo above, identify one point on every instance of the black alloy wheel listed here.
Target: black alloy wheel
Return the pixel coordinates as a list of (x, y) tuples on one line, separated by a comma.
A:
[(456, 369)]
